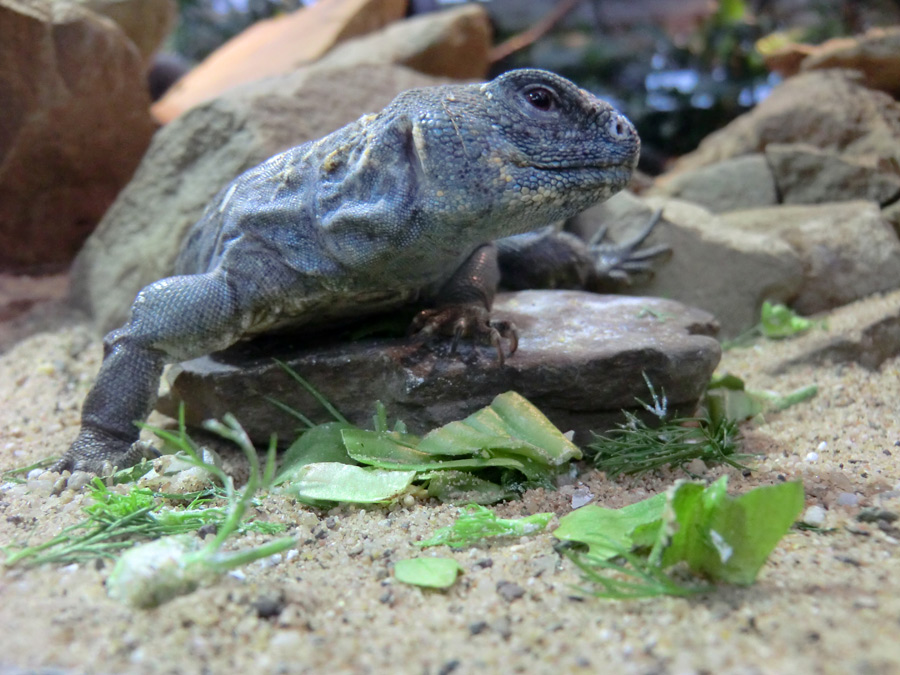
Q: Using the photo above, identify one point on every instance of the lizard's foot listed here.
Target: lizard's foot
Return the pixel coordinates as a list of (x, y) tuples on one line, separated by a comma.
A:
[(102, 453), (466, 320), (623, 260)]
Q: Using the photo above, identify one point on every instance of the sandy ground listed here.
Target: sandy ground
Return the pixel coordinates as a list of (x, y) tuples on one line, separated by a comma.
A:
[(825, 603)]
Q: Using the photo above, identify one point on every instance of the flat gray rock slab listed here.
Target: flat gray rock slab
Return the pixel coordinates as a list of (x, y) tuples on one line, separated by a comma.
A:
[(581, 360)]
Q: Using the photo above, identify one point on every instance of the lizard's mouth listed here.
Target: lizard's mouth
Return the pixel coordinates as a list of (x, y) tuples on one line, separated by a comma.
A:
[(579, 165)]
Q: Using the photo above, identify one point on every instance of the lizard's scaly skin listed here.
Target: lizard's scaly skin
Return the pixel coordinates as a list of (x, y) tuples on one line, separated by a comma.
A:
[(396, 208)]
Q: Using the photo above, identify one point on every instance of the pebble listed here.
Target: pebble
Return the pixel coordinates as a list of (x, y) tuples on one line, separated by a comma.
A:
[(79, 479), (286, 640), (41, 488), (581, 496), (812, 456), (696, 467), (865, 602), (477, 627), (847, 499), (814, 516), (509, 591)]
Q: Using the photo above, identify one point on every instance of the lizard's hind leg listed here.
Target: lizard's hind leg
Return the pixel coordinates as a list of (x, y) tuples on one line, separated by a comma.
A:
[(173, 319)]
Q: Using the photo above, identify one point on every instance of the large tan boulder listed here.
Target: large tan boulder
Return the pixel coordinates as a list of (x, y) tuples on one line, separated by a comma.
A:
[(828, 109), (146, 22), (875, 54), (192, 158), (75, 124), (848, 250), (275, 47), (453, 43)]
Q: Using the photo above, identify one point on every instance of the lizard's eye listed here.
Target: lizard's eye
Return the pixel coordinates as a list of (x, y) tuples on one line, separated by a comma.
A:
[(541, 98)]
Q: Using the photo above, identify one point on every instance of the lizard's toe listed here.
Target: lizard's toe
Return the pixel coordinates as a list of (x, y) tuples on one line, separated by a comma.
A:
[(96, 451), (466, 320)]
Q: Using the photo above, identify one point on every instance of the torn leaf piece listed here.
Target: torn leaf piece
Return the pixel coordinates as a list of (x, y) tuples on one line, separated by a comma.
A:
[(321, 443), (479, 522), (607, 532), (462, 487), (730, 538), (509, 423), (428, 572), (336, 482), (389, 450)]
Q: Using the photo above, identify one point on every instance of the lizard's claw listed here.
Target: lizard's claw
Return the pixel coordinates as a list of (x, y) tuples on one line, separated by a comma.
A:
[(621, 261), (466, 320), (102, 453)]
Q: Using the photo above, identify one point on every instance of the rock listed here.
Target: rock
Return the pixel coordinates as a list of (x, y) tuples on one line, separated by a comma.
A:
[(75, 125), (738, 183), (509, 591), (828, 109), (581, 359), (191, 159), (276, 47), (786, 173), (891, 214), (866, 332), (847, 249), (847, 499), (875, 54), (18, 293), (146, 22), (807, 175), (724, 270), (452, 43), (814, 516), (623, 214)]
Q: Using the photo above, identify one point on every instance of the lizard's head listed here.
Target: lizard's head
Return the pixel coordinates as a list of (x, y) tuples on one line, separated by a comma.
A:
[(559, 148)]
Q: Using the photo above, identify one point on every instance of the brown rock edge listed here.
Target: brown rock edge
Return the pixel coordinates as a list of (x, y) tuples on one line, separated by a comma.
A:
[(581, 360)]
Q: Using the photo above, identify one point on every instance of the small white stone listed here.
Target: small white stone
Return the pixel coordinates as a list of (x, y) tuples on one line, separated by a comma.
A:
[(581, 496), (79, 479), (822, 446), (812, 456), (814, 516)]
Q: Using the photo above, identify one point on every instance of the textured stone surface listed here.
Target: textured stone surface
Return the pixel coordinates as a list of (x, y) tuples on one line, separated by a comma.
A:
[(866, 332), (807, 175), (847, 249), (75, 125), (451, 43), (738, 183), (875, 54), (191, 159), (275, 47), (785, 173), (724, 270), (580, 360), (828, 109)]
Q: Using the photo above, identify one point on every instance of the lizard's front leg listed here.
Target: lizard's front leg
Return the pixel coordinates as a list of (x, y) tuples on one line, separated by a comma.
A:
[(174, 319), (463, 305)]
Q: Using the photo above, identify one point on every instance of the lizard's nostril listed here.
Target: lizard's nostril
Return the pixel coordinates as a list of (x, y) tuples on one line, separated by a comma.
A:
[(619, 128)]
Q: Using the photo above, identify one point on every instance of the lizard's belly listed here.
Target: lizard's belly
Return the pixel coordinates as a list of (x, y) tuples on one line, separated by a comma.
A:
[(323, 310)]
